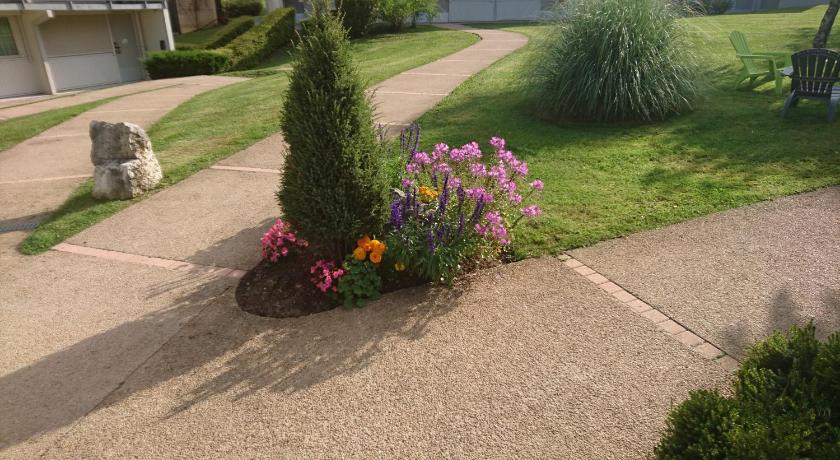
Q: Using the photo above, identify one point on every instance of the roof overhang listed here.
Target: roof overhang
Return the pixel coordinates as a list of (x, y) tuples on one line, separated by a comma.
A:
[(70, 5)]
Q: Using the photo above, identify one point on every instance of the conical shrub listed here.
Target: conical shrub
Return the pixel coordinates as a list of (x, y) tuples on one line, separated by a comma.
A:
[(333, 188)]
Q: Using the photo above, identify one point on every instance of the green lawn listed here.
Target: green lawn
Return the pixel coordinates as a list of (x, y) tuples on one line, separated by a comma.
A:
[(196, 37), (604, 181), (221, 122), (21, 128)]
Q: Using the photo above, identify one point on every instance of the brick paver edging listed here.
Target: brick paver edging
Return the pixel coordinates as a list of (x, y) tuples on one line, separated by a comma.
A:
[(673, 328)]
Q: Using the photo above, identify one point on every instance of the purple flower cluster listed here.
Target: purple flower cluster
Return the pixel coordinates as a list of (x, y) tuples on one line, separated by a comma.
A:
[(490, 192)]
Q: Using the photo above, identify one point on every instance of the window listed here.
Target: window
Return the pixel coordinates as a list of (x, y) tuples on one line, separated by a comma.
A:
[(7, 39)]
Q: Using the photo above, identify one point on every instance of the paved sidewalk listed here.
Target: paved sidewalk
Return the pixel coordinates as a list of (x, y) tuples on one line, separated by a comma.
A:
[(37, 175), (736, 276), (562, 371), (19, 107)]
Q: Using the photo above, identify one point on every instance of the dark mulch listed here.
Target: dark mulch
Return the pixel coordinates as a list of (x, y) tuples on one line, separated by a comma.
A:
[(284, 290)]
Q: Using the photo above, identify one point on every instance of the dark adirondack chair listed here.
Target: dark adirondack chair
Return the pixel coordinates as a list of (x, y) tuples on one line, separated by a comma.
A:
[(767, 64), (815, 72)]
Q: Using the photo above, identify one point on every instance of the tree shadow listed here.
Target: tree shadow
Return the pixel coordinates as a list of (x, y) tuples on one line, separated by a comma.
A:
[(64, 386), (204, 333), (287, 356), (783, 313)]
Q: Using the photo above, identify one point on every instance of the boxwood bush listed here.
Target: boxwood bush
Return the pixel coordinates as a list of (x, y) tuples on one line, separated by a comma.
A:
[(183, 63), (613, 60), (249, 49), (785, 405), (236, 8)]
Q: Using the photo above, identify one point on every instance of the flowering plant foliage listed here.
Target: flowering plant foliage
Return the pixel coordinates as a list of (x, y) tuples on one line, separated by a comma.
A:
[(361, 281), (278, 240), (325, 276), (456, 204)]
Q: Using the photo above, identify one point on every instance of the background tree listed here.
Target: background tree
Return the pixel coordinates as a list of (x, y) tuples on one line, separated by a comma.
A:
[(827, 23)]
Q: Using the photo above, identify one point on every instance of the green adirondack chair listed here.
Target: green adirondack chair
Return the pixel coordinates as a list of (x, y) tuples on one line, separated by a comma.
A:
[(755, 62)]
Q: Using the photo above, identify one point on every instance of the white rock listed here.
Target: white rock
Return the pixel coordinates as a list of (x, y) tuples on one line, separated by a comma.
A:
[(125, 165)]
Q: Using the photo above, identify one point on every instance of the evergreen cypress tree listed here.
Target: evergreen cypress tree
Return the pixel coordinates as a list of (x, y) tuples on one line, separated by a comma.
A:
[(333, 187)]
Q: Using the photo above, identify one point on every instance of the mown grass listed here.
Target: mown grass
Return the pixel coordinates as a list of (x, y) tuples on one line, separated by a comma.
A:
[(218, 123), (197, 37), (604, 181), (18, 129)]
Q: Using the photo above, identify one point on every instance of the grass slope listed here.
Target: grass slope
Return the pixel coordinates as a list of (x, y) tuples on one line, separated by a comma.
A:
[(605, 181), (216, 124)]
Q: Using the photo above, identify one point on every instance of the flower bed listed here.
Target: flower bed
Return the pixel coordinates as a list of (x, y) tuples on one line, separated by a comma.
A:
[(452, 210)]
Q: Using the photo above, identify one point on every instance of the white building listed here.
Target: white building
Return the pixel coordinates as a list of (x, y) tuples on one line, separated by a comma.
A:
[(48, 46), (763, 5)]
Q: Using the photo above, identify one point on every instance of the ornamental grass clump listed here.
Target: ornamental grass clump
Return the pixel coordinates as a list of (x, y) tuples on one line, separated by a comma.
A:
[(333, 187), (613, 60)]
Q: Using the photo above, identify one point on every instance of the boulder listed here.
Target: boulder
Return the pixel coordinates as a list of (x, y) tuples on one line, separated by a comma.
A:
[(125, 165)]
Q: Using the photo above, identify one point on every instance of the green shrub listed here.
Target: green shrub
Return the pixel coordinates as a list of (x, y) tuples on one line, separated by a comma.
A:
[(236, 8), (397, 12), (220, 37), (357, 15), (182, 63), (249, 49), (711, 6), (333, 188), (612, 60), (785, 405), (227, 33)]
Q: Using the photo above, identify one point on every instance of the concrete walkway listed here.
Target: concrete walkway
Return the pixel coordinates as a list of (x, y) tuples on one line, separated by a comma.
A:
[(736, 276), (18, 107), (37, 175), (126, 340)]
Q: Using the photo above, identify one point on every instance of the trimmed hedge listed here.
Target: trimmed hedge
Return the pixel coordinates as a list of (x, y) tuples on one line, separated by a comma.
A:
[(222, 36), (249, 49), (231, 30), (236, 8), (183, 63)]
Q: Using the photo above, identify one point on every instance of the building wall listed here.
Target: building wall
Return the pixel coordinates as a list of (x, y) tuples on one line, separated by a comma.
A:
[(19, 74), (61, 51), (195, 14), (763, 5)]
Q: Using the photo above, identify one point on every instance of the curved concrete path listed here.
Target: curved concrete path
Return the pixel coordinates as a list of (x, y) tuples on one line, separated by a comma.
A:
[(19, 107), (137, 348), (37, 175)]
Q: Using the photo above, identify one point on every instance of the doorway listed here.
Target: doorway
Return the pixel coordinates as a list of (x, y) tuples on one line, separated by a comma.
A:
[(126, 48)]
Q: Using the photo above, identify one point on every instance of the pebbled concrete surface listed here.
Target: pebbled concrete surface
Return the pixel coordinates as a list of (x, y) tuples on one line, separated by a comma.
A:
[(72, 329), (525, 360), (212, 218), (736, 276), (17, 107)]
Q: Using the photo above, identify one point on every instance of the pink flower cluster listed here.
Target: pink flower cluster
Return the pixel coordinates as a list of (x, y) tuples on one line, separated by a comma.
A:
[(325, 276), (496, 190), (277, 241)]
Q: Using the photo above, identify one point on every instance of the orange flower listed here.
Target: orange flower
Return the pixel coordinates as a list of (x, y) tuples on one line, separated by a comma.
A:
[(399, 266), (377, 246), (359, 253), (364, 243), (376, 257)]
